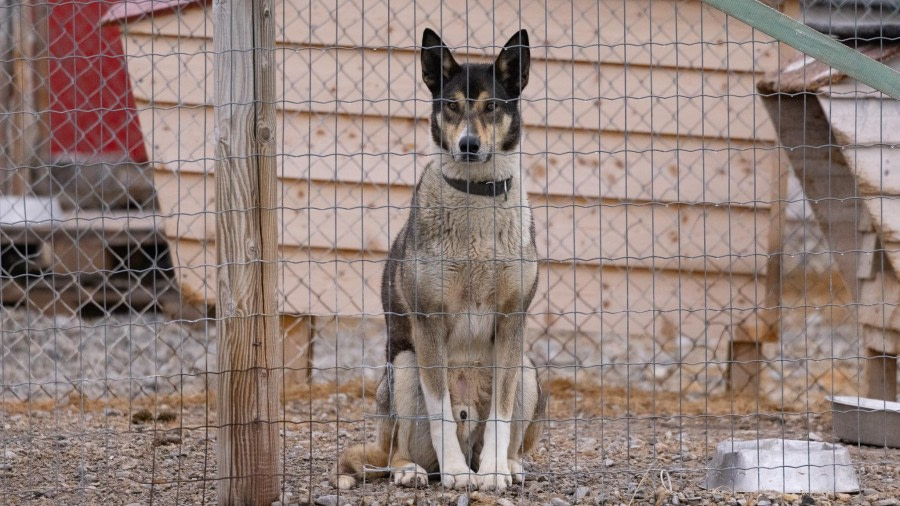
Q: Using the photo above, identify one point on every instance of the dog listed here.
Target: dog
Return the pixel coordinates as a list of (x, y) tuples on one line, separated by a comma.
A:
[(462, 272), (404, 442)]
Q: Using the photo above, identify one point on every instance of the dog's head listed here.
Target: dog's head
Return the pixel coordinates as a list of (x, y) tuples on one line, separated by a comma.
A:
[(475, 107)]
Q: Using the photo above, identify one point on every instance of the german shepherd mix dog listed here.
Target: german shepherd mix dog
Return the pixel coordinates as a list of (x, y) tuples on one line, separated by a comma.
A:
[(458, 282)]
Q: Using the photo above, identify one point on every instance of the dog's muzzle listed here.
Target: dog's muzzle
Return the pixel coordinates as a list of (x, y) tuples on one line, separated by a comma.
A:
[(469, 147)]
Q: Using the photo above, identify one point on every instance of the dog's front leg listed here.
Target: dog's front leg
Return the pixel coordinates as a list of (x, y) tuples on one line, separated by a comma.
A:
[(493, 467), (431, 354)]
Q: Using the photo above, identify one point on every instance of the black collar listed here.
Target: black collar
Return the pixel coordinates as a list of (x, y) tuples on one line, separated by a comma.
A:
[(484, 189)]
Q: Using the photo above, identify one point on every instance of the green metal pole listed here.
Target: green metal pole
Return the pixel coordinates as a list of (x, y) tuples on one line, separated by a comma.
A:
[(813, 43)]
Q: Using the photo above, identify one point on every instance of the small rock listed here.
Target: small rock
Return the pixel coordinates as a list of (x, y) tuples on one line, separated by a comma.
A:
[(167, 438), (504, 502), (463, 500), (675, 500), (608, 462), (556, 501), (790, 498), (339, 397), (842, 497), (277, 503), (123, 474), (763, 502), (9, 454), (815, 437), (301, 496), (111, 412), (331, 500), (887, 502), (581, 492), (807, 500)]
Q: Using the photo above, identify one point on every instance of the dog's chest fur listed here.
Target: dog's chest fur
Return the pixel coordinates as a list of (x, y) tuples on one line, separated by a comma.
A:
[(468, 257)]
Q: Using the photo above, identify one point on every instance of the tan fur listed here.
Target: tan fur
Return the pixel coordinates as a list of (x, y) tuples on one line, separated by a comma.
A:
[(405, 443), (480, 122)]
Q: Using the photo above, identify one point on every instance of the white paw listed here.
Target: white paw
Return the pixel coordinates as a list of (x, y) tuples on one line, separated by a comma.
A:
[(516, 470), (344, 481), (459, 478), (494, 476), (412, 476)]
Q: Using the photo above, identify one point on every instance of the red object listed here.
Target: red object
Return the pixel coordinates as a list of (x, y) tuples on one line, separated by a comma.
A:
[(130, 10), (92, 110)]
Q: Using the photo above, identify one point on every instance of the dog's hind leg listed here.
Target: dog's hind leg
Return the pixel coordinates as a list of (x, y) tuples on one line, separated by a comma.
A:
[(431, 353), (412, 441)]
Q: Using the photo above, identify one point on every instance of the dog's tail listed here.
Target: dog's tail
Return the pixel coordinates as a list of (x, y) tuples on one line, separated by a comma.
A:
[(352, 465)]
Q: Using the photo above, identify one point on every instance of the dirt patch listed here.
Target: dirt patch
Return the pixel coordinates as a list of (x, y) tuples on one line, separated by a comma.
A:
[(600, 446)]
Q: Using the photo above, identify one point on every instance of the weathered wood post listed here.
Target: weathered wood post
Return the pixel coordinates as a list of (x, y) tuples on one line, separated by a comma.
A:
[(246, 239)]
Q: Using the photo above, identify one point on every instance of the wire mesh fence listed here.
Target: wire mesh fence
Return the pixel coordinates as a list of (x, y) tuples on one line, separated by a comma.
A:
[(695, 283)]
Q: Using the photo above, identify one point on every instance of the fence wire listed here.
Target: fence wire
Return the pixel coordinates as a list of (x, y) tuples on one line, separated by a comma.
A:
[(693, 287)]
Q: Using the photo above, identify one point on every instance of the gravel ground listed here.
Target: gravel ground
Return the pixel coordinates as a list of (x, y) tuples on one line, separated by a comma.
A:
[(88, 453)]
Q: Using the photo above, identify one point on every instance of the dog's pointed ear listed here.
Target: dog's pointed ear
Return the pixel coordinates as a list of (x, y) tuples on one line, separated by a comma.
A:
[(438, 65), (513, 63)]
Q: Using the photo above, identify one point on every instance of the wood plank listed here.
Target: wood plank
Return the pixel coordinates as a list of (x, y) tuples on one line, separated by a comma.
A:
[(869, 259), (827, 180), (248, 393), (863, 122), (637, 32), (892, 251), (881, 370), (850, 88), (880, 300), (564, 95), (877, 169), (881, 341), (778, 213), (636, 167), (612, 301), (885, 212), (366, 217)]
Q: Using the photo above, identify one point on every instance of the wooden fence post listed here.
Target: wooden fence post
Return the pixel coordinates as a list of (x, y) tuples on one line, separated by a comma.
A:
[(246, 241)]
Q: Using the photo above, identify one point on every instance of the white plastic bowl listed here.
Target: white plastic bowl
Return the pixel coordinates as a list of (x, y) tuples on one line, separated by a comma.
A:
[(781, 465), (860, 420)]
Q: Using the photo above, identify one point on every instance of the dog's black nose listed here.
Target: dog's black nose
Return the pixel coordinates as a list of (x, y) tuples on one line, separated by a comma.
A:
[(469, 144)]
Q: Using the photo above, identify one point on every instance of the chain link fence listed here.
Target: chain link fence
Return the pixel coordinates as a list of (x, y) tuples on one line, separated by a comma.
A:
[(687, 293)]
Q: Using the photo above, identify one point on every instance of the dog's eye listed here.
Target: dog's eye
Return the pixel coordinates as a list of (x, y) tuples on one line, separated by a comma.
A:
[(490, 106), (453, 106), (463, 415)]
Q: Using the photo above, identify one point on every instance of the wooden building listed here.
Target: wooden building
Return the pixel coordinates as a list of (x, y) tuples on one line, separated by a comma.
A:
[(839, 132), (648, 158)]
